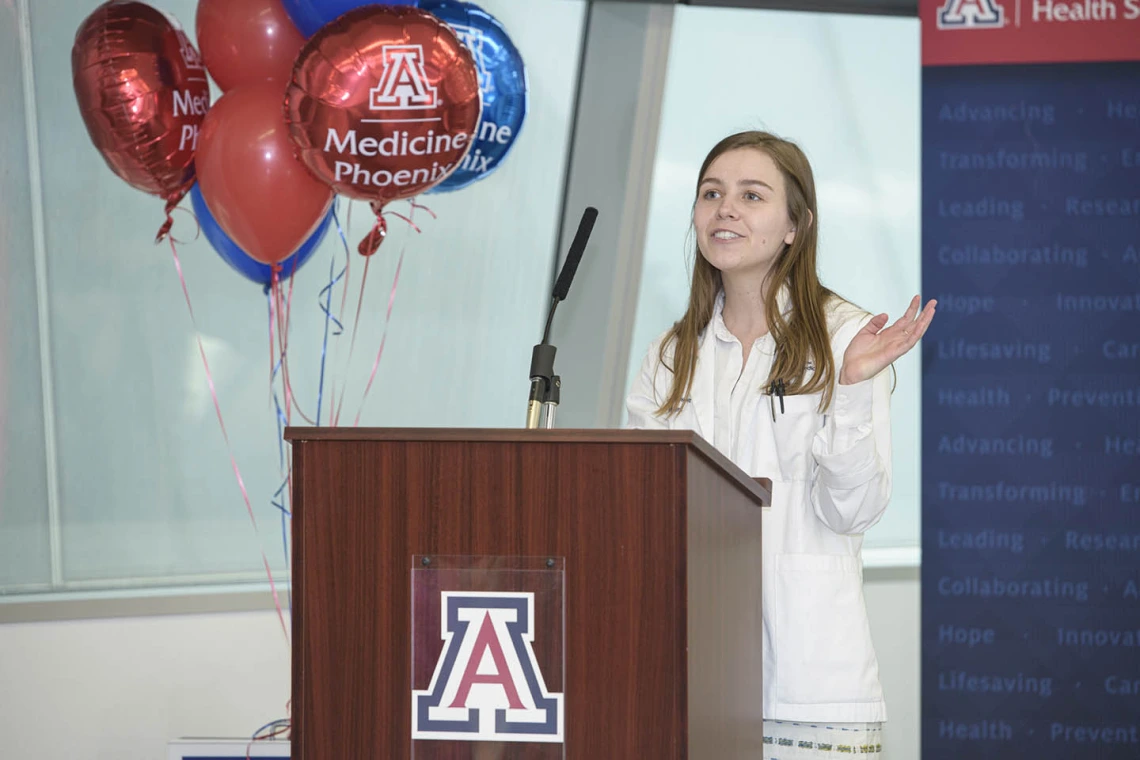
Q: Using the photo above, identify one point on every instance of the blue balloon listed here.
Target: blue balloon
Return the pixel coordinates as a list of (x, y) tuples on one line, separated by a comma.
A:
[(310, 15), (502, 79), (241, 261)]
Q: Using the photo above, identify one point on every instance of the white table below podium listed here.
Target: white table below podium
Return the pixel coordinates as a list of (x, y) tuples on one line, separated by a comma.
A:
[(227, 749)]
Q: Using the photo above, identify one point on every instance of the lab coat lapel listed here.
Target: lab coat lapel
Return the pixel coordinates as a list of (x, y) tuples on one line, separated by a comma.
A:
[(702, 396)]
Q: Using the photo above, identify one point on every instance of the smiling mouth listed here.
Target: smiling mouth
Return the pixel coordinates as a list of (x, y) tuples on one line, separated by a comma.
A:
[(725, 235)]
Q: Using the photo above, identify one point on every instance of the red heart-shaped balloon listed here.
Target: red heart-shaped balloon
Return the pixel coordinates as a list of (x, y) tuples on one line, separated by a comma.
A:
[(143, 94)]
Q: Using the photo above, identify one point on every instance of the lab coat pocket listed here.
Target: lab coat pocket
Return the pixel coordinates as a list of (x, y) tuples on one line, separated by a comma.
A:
[(793, 429), (823, 640)]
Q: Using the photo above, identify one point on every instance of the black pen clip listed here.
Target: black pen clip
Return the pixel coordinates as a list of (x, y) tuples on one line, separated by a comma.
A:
[(776, 389)]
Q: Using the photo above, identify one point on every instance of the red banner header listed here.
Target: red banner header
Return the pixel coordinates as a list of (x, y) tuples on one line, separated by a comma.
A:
[(964, 32)]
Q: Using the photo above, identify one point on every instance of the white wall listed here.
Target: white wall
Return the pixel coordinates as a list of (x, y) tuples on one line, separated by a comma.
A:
[(894, 604), (119, 689)]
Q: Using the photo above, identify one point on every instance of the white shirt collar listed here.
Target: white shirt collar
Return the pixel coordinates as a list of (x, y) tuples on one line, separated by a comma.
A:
[(783, 301)]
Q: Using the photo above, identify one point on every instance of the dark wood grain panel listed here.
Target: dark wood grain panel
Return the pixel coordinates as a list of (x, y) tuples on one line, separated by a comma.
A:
[(725, 664), (299, 703), (615, 508), (488, 435), (758, 488)]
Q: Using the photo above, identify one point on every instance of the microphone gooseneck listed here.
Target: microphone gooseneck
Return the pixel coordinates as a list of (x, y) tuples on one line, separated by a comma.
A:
[(545, 386)]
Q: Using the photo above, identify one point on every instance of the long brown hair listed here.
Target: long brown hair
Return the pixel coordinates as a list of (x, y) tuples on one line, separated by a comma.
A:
[(801, 336)]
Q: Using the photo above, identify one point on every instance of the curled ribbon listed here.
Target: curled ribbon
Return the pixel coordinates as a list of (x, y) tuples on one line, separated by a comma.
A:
[(391, 303), (371, 242), (172, 202)]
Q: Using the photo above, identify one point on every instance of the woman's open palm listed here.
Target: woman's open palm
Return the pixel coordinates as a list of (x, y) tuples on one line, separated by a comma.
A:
[(876, 346)]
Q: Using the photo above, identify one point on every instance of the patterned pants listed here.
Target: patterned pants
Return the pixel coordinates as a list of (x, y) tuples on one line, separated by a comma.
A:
[(785, 740)]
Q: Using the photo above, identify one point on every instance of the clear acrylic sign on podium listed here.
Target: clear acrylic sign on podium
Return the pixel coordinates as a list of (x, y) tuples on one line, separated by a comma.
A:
[(488, 660)]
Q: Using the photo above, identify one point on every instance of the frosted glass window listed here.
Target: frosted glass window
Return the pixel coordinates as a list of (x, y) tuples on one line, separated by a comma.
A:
[(846, 88), (146, 493), (25, 558)]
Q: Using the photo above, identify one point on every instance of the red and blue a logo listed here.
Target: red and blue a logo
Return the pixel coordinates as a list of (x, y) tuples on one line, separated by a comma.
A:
[(971, 14), (487, 685)]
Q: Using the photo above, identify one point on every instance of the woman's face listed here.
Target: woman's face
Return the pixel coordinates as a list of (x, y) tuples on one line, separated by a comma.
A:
[(741, 214)]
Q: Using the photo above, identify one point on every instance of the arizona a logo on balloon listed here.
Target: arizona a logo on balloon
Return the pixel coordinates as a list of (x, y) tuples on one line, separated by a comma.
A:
[(403, 86), (473, 38)]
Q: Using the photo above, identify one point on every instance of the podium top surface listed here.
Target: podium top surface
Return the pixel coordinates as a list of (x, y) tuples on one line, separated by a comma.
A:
[(759, 488)]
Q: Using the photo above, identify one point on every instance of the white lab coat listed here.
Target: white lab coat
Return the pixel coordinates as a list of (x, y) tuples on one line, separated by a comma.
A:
[(831, 481)]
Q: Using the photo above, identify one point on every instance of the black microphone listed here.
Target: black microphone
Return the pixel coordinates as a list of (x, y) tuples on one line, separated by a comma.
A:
[(544, 384), (585, 227)]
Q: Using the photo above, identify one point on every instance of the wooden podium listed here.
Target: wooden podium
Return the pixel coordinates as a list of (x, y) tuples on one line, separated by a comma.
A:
[(659, 538)]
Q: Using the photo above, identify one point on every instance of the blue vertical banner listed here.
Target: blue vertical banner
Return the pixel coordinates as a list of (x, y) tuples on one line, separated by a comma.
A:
[(1031, 379)]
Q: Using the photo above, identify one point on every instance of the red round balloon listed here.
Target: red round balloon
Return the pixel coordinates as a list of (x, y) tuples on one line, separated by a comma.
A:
[(259, 193), (384, 103), (143, 94), (245, 41)]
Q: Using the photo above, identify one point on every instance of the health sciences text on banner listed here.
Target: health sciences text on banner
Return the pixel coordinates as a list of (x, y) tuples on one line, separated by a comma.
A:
[(992, 32), (1031, 384)]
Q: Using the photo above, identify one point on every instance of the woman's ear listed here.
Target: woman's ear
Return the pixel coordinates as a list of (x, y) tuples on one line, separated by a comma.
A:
[(791, 236)]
